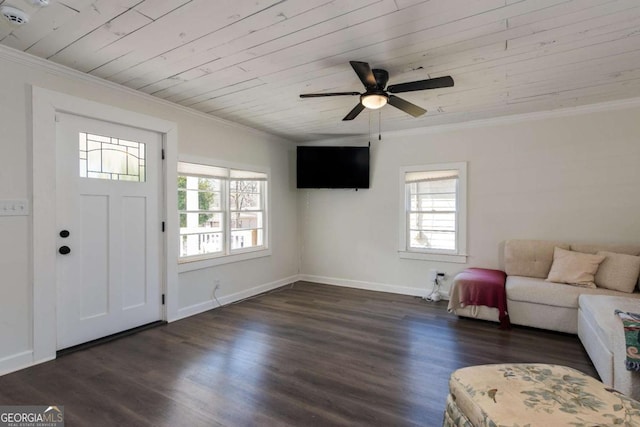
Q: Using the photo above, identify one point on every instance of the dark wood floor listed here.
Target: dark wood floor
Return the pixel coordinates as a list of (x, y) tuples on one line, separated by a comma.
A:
[(307, 355)]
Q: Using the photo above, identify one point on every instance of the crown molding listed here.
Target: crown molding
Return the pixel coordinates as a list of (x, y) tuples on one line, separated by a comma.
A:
[(494, 121), (527, 117), (29, 60)]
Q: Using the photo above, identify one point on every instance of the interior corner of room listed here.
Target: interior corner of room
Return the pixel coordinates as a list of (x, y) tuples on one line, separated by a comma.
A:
[(560, 167), (562, 176)]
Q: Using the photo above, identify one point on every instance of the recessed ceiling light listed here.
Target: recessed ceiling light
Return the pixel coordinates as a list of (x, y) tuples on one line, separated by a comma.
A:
[(14, 15)]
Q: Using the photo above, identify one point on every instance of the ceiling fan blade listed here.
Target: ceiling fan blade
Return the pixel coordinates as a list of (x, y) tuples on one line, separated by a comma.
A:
[(354, 113), (436, 83), (406, 106), (365, 74), (318, 95)]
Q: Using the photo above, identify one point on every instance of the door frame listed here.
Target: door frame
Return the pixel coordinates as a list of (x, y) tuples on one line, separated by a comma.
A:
[(45, 105)]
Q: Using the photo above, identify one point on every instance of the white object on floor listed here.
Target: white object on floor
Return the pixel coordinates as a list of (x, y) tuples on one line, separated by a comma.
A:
[(434, 296)]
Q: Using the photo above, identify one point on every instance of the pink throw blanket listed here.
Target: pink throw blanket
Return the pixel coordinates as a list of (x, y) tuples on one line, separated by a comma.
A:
[(481, 286)]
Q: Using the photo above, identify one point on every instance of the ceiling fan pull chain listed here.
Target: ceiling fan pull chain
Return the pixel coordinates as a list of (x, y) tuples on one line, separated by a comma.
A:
[(379, 125)]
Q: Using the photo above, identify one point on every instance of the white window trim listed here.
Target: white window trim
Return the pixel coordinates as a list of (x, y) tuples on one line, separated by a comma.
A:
[(458, 256), (212, 260)]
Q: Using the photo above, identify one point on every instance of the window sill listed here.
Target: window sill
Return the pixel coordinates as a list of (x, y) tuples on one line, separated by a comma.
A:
[(454, 258), (185, 265)]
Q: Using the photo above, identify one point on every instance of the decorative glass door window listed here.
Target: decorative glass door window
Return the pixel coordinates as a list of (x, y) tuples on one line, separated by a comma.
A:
[(115, 159)]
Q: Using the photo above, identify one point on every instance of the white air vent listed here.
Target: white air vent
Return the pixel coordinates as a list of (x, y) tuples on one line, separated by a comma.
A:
[(14, 15)]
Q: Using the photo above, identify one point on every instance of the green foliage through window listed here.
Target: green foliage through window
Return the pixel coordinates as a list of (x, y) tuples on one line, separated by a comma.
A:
[(206, 198), (221, 211)]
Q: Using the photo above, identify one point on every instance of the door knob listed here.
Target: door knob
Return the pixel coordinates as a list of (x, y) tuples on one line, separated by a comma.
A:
[(64, 250)]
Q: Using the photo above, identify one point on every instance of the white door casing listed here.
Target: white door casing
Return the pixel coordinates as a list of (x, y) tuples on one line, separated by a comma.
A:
[(45, 241), (110, 280)]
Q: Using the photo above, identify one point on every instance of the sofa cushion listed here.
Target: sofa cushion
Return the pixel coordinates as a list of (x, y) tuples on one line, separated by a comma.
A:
[(594, 248), (531, 258), (618, 272), (601, 311), (574, 268), (539, 291)]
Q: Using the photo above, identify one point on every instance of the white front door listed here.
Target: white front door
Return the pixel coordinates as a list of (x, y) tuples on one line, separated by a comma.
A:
[(108, 216)]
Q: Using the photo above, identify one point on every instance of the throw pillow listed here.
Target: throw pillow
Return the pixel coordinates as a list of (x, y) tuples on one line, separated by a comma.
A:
[(618, 272), (574, 268)]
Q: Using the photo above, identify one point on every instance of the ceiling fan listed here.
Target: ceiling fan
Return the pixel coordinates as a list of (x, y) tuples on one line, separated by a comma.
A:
[(375, 95)]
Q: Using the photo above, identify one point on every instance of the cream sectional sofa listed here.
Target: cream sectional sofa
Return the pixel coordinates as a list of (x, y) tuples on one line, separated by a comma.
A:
[(588, 312), (532, 301)]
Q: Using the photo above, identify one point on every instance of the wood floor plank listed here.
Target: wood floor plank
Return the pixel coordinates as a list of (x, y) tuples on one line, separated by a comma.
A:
[(305, 354)]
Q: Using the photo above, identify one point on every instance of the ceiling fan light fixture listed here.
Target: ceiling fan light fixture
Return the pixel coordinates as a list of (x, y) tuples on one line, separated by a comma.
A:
[(376, 96), (374, 100)]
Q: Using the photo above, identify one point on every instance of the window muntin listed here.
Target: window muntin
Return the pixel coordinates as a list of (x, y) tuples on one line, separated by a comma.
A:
[(222, 211), (201, 215), (433, 212), (105, 157), (246, 210)]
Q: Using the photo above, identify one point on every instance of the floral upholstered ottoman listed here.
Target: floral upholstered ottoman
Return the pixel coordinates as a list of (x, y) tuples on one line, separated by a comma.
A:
[(534, 395)]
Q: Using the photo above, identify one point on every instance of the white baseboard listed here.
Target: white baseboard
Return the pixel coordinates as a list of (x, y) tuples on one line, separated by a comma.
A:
[(15, 362), (357, 284), (25, 359), (370, 286), (211, 304)]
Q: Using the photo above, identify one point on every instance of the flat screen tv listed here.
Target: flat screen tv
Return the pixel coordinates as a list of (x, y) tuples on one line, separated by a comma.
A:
[(332, 167)]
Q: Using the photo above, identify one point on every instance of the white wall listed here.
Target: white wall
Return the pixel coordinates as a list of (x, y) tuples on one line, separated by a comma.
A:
[(573, 178), (198, 136)]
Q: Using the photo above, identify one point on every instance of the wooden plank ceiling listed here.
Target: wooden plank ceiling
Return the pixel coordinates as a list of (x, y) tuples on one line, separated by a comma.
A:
[(248, 60)]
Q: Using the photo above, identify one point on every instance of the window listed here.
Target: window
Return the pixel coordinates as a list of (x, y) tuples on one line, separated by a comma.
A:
[(222, 211), (433, 217), (105, 157)]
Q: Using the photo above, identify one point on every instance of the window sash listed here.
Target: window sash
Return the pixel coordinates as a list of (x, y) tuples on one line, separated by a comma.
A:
[(431, 237), (252, 235), (233, 239)]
